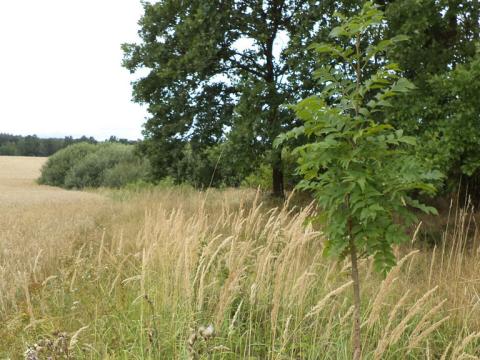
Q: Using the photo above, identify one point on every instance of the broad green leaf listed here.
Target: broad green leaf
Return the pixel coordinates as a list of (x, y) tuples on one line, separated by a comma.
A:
[(402, 85), (400, 38), (337, 32)]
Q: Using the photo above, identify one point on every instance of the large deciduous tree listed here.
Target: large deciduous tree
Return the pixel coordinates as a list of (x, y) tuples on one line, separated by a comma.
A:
[(220, 70)]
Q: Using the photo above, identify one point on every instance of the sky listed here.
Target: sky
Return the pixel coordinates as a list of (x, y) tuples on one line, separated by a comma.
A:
[(60, 68)]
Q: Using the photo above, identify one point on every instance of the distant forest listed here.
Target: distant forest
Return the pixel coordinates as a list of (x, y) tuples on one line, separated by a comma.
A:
[(32, 145)]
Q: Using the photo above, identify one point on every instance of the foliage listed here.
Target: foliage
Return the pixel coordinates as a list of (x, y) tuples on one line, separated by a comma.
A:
[(440, 59), (57, 167), (445, 31), (219, 71), (260, 176), (361, 171), (125, 172), (260, 179), (92, 169), (223, 164), (32, 145), (87, 165), (449, 126)]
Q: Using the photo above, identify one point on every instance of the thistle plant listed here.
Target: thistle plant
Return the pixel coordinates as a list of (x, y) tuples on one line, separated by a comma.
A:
[(361, 170), (203, 332)]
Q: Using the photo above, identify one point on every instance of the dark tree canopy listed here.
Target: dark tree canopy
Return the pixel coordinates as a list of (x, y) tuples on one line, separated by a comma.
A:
[(220, 71), (218, 74), (440, 58)]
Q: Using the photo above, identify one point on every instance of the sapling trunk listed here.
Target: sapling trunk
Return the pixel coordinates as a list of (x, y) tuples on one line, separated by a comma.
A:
[(357, 341), (357, 344)]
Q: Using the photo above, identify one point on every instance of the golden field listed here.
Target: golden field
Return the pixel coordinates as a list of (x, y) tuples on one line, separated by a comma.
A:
[(142, 273)]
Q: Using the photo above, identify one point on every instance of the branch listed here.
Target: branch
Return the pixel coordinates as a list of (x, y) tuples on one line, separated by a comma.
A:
[(247, 68)]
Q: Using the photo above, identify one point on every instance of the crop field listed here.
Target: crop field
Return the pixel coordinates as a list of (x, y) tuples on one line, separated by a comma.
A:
[(18, 184), (174, 273)]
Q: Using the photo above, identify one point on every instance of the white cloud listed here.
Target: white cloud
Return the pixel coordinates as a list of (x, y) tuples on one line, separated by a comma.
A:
[(60, 68)]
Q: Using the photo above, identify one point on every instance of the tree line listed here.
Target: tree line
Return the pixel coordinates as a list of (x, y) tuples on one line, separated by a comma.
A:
[(32, 145), (221, 75)]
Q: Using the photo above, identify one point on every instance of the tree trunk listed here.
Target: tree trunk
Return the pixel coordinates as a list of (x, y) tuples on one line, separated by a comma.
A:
[(357, 344), (277, 175)]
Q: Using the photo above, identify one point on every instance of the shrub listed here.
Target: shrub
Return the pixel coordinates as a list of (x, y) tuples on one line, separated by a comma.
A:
[(59, 165), (107, 164), (261, 178), (125, 173), (90, 171)]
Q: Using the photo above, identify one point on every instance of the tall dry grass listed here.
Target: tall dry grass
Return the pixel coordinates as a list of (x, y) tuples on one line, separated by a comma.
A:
[(140, 275)]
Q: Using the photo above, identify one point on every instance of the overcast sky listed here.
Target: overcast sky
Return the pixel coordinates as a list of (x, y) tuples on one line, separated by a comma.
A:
[(60, 68)]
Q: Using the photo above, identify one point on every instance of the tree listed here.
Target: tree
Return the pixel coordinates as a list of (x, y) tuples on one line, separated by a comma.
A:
[(442, 34), (360, 169), (440, 59), (29, 146), (450, 142), (217, 73)]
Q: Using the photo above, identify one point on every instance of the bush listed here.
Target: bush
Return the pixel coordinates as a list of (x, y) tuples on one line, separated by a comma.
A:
[(126, 173), (87, 165), (59, 165), (261, 178)]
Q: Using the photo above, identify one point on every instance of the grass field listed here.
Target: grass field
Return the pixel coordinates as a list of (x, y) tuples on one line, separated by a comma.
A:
[(142, 274), (18, 186)]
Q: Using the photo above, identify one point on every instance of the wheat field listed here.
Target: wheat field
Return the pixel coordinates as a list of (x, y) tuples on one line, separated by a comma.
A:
[(173, 273)]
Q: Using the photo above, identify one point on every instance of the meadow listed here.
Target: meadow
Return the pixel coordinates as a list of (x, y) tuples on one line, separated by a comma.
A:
[(175, 273)]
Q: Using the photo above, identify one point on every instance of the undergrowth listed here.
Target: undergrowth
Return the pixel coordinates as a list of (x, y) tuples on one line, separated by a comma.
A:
[(144, 274)]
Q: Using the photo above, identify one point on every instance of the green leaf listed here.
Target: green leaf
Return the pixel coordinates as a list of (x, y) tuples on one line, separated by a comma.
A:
[(337, 32), (361, 182), (402, 86), (322, 48), (400, 38), (410, 140)]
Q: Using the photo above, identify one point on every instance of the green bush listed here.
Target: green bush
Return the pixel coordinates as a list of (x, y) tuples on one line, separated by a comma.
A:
[(126, 173), (86, 165), (261, 178), (59, 165)]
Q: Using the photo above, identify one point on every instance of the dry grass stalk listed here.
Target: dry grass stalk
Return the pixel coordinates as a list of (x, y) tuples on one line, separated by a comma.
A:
[(234, 319), (424, 320), (466, 356), (445, 352), (417, 229), (347, 315), (74, 340), (320, 305), (385, 340), (418, 338), (385, 286), (414, 310), (431, 266), (28, 300), (460, 348)]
